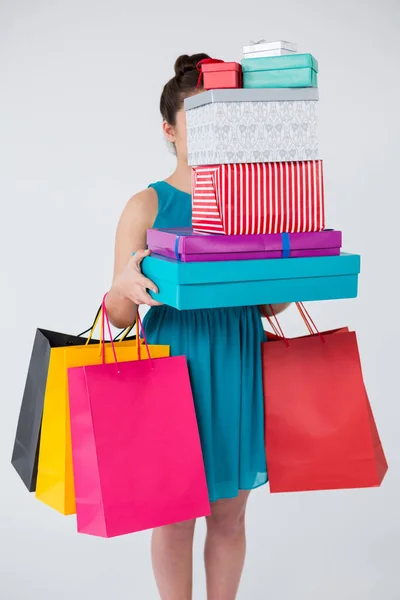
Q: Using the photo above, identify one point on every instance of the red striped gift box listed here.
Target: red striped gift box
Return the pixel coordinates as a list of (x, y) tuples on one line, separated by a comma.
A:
[(236, 199)]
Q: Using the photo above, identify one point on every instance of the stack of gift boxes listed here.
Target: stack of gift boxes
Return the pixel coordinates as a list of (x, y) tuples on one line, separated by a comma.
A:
[(257, 192)]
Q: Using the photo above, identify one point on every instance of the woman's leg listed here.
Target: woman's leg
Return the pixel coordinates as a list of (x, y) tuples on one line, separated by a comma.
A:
[(225, 547), (171, 551)]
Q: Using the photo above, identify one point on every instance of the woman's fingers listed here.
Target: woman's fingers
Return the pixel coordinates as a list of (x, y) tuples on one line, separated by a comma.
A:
[(153, 302), (138, 257), (139, 295), (141, 254), (147, 284), (142, 297)]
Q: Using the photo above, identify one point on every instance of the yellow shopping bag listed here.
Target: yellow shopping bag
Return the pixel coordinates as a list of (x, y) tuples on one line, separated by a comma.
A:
[(55, 482)]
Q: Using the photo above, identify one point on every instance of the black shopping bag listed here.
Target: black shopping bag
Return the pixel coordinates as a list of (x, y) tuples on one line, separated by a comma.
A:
[(26, 446)]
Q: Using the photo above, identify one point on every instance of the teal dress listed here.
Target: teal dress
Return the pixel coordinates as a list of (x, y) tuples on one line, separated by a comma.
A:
[(223, 350)]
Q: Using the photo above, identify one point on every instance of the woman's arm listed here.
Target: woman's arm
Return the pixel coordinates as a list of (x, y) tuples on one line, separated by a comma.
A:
[(277, 308), (128, 289)]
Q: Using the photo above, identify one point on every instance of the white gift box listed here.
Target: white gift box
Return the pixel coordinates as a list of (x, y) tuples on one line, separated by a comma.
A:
[(252, 126), (268, 53), (264, 46)]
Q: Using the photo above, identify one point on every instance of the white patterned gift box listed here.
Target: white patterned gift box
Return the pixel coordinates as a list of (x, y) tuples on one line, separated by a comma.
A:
[(252, 126), (262, 49)]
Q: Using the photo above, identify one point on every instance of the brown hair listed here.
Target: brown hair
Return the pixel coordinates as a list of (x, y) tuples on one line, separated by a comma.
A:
[(181, 86)]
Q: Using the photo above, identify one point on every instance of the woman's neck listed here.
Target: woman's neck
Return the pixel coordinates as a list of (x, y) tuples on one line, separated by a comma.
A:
[(181, 178)]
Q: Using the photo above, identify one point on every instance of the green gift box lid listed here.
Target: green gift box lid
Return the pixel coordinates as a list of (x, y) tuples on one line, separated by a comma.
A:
[(275, 63)]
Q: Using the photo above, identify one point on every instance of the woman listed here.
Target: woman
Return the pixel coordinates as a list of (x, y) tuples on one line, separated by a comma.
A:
[(223, 349)]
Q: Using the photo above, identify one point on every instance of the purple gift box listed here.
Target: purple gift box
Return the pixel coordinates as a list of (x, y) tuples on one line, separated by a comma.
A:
[(186, 246)]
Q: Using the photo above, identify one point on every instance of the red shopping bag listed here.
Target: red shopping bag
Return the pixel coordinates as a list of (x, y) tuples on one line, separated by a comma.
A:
[(319, 428), (136, 448)]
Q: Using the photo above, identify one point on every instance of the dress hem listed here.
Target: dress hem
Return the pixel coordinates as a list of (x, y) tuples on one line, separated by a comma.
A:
[(239, 490)]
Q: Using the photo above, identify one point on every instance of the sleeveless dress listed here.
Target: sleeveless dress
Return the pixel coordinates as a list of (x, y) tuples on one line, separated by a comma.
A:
[(223, 350)]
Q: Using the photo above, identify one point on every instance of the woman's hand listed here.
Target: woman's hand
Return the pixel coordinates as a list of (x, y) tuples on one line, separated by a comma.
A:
[(276, 308), (128, 291), (129, 287), (132, 284)]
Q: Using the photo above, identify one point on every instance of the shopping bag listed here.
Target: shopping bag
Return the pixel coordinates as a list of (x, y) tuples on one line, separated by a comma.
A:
[(26, 444), (319, 428), (55, 481), (136, 448)]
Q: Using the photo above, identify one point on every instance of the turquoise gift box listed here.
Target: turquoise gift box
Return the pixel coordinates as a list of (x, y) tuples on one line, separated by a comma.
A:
[(188, 286), (294, 70)]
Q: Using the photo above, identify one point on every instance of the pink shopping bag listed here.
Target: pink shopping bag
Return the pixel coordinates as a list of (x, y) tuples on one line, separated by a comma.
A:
[(136, 449)]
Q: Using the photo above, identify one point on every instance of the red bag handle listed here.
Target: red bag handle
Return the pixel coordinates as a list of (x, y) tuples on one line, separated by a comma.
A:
[(205, 61), (305, 315), (277, 329)]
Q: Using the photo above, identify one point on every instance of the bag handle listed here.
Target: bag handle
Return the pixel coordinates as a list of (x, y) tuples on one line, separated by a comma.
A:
[(139, 328), (276, 327), (305, 315), (124, 332), (92, 328), (307, 319), (104, 318)]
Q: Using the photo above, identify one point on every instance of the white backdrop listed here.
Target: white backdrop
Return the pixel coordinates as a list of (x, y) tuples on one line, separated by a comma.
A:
[(79, 134)]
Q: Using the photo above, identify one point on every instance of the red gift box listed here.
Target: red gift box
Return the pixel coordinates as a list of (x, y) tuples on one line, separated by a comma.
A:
[(236, 199), (218, 75)]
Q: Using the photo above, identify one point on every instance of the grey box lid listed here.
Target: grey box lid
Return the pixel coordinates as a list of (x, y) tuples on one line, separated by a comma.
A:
[(251, 95)]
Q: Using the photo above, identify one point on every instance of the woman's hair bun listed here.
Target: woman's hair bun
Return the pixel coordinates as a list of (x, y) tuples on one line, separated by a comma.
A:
[(184, 84), (186, 63)]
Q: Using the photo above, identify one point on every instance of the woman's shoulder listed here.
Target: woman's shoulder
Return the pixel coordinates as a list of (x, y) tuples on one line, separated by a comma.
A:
[(142, 207), (144, 202)]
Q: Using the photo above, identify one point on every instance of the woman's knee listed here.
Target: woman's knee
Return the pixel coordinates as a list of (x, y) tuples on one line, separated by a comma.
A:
[(227, 518), (180, 530)]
